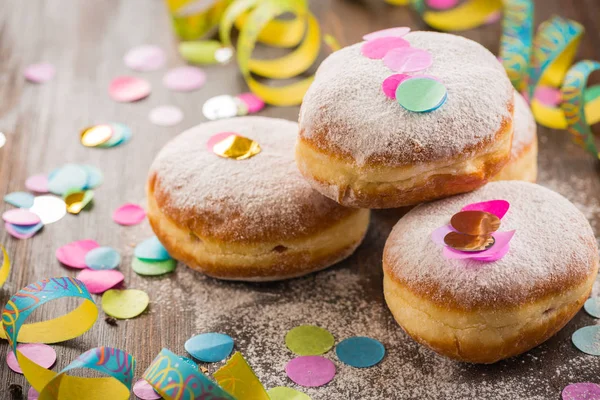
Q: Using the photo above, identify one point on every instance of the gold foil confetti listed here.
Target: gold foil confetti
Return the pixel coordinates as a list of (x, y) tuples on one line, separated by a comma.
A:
[(231, 145), (475, 222), (96, 135), (464, 242)]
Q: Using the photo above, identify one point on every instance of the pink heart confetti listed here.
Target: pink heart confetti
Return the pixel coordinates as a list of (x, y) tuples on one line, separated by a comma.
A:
[(442, 4), (145, 58), (99, 281), (184, 79), (581, 391), (548, 96), (497, 207), (39, 73), (310, 371), (20, 216), (407, 59), (252, 101), (377, 48), (398, 31), (145, 391), (128, 88), (129, 214), (73, 254), (165, 115), (39, 353), (390, 84), (37, 183)]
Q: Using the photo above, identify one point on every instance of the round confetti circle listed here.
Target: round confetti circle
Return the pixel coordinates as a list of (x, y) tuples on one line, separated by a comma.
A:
[(151, 249), (143, 390), (421, 94), (152, 268), (37, 183), (587, 339), (102, 258), (360, 351), (390, 84), (592, 307), (184, 79), (124, 304), (129, 214), (310, 371), (23, 231), (100, 281), (39, 73), (407, 59), (209, 347), (19, 199), (223, 106), (581, 391), (126, 89), (73, 254), (39, 353), (309, 340), (68, 177), (165, 115), (377, 48), (21, 216), (32, 394), (286, 393), (253, 103), (96, 135), (399, 31), (145, 58)]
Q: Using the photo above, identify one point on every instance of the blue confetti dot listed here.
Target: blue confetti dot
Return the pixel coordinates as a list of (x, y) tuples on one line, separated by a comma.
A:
[(27, 229), (102, 258), (151, 249), (360, 351), (94, 176), (592, 307), (19, 199), (587, 339), (68, 177), (210, 347)]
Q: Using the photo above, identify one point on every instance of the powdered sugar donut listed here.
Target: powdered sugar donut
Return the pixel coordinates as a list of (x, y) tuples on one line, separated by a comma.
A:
[(362, 149), (480, 311), (254, 219), (522, 165)]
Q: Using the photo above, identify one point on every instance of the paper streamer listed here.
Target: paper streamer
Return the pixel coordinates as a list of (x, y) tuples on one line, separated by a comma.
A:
[(175, 379), (5, 268), (116, 364)]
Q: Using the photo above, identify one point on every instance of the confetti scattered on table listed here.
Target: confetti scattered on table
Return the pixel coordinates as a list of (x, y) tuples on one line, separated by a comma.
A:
[(399, 31), (124, 304), (184, 79), (310, 371), (37, 183), (210, 347), (309, 340), (360, 351), (19, 199), (67, 177), (102, 258), (99, 281), (39, 73), (592, 307), (143, 390), (19, 216), (151, 249), (421, 94), (129, 214), (41, 354), (377, 48), (126, 89), (237, 378), (76, 200), (587, 339), (73, 254), (23, 231), (407, 59), (96, 135), (253, 103), (581, 391), (218, 107), (165, 115), (152, 268), (145, 58), (49, 208), (286, 393), (94, 176)]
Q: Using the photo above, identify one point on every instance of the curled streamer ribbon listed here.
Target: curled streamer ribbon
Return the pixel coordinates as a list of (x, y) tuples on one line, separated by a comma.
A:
[(116, 364), (5, 268)]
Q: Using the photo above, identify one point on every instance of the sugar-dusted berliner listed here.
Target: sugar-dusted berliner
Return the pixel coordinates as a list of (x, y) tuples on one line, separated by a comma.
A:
[(522, 165), (359, 146), (252, 217), (481, 310)]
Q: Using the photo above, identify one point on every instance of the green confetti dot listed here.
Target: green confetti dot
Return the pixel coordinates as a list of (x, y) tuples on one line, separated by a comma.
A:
[(152, 268), (286, 393), (421, 94), (309, 340)]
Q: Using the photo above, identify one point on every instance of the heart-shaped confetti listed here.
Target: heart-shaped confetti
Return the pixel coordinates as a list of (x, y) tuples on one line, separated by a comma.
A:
[(310, 371), (152, 268), (19, 216), (129, 214), (19, 199), (124, 304), (377, 48), (39, 73), (399, 31), (151, 249), (102, 258), (49, 208), (408, 59), (360, 351), (37, 183), (421, 94), (210, 347), (309, 340), (165, 115), (144, 391), (592, 307), (442, 4), (253, 103), (145, 58), (127, 89), (23, 231), (40, 353), (286, 393), (68, 177), (73, 254), (100, 281), (390, 84), (587, 339), (581, 391), (184, 79)]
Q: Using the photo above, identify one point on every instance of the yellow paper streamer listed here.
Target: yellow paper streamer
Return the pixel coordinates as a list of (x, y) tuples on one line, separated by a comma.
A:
[(237, 378), (4, 269)]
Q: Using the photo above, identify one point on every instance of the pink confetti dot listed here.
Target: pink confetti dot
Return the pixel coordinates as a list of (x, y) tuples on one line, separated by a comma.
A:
[(165, 115), (184, 79), (399, 31), (378, 48), (252, 101), (581, 391), (39, 73), (548, 96), (407, 59), (442, 4), (20, 235), (128, 88), (37, 183), (20, 216), (145, 58), (145, 391), (129, 214), (310, 371), (390, 84), (99, 281), (73, 254), (39, 353), (32, 394)]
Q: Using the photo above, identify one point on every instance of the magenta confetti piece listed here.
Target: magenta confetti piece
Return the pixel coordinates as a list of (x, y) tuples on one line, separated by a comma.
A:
[(20, 216), (407, 59), (252, 101), (581, 391), (128, 88), (39, 73), (442, 4), (39, 353), (145, 58), (310, 371), (145, 391), (378, 48), (390, 84), (129, 214), (496, 207), (32, 394), (184, 79), (165, 115), (548, 96), (398, 31), (21, 235), (99, 281), (73, 254), (214, 139), (494, 253), (37, 183)]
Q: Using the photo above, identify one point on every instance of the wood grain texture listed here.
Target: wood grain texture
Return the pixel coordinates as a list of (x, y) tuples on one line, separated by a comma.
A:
[(86, 41)]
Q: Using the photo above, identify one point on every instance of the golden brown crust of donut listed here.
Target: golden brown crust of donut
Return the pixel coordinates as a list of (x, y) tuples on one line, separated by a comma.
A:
[(522, 165)]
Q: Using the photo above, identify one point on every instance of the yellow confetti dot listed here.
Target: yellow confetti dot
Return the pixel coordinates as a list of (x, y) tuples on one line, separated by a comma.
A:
[(77, 200), (96, 135), (124, 304)]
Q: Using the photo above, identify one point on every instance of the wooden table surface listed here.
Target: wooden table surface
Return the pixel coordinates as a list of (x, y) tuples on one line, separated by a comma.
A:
[(86, 42)]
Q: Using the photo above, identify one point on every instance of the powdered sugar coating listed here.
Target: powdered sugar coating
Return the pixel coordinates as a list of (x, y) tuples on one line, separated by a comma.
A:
[(552, 250), (346, 112), (240, 200), (524, 124)]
